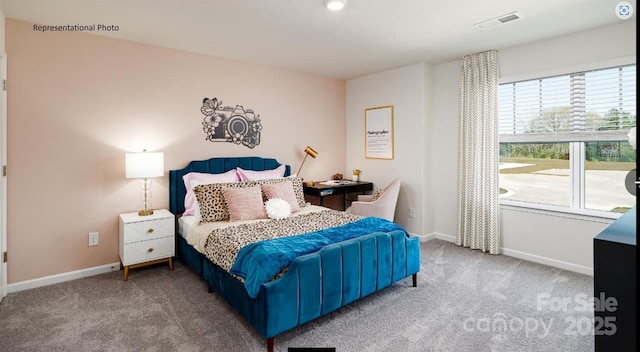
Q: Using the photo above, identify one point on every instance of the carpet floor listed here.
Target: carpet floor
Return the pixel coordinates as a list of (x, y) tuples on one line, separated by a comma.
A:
[(466, 300)]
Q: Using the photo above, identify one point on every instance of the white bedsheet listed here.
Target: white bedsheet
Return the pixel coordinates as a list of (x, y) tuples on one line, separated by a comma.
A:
[(196, 234), (185, 223)]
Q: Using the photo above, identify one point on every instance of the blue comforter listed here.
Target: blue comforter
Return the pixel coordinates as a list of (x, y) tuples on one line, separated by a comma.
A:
[(258, 262)]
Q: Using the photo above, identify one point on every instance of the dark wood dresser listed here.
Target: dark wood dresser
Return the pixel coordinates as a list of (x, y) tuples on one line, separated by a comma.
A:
[(614, 281)]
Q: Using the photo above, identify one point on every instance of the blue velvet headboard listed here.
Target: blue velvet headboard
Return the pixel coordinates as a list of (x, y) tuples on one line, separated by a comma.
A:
[(177, 191)]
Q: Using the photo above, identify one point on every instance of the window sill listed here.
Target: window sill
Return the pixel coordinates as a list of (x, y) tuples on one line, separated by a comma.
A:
[(558, 211)]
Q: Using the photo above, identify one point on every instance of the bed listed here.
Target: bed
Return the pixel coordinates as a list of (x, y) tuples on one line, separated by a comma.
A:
[(313, 284)]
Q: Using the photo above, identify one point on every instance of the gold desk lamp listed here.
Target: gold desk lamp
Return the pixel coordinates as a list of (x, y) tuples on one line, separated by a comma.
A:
[(308, 152)]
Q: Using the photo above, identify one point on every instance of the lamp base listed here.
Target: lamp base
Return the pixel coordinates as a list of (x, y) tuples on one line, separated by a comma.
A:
[(146, 197)]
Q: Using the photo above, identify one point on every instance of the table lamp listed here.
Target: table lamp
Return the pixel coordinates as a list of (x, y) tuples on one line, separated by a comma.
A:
[(144, 165)]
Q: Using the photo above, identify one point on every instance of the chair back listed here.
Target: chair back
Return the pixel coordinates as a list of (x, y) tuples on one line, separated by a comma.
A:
[(389, 199)]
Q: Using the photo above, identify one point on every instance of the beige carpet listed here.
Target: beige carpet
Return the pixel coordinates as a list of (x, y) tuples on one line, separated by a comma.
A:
[(466, 301)]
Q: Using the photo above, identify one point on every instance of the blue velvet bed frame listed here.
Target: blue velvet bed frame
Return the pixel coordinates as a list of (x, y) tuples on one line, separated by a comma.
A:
[(315, 284)]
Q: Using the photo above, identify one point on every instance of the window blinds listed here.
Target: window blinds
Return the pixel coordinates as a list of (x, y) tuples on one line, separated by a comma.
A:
[(597, 105)]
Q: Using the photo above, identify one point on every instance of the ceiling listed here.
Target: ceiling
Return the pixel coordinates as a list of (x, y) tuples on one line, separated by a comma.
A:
[(367, 36)]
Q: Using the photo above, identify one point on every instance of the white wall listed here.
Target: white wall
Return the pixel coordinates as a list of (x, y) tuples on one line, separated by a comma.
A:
[(577, 51), (443, 159), (407, 89), (553, 239), (562, 241)]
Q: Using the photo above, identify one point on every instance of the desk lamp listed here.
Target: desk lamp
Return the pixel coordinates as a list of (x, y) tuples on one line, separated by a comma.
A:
[(308, 152)]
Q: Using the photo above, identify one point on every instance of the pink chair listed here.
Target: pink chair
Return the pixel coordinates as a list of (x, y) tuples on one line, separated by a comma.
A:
[(383, 207)]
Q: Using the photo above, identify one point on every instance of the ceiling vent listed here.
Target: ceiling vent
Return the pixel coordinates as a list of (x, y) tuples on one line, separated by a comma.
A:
[(494, 22)]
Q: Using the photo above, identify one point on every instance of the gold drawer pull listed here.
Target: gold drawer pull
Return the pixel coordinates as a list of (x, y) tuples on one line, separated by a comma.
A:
[(149, 230), (150, 250)]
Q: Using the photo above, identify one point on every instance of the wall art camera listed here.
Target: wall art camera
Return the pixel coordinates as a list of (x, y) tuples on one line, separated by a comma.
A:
[(228, 124)]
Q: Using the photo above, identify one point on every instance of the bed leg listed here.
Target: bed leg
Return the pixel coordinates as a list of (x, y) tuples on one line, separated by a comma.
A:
[(209, 289), (270, 343), (415, 279)]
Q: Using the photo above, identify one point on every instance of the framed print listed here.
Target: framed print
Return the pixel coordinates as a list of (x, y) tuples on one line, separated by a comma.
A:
[(378, 132)]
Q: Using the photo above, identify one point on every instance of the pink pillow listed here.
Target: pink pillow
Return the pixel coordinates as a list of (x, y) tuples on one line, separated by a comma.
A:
[(250, 175), (190, 201), (244, 203), (282, 190)]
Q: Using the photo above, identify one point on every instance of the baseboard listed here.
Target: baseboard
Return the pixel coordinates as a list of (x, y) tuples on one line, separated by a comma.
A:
[(548, 261), (528, 257), (423, 238), (442, 236), (54, 279), (433, 236)]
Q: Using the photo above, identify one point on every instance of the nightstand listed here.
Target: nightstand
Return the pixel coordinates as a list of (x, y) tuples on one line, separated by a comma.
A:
[(146, 240)]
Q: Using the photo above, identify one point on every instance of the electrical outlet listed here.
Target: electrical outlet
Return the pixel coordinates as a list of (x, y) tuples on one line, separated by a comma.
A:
[(93, 239), (412, 212)]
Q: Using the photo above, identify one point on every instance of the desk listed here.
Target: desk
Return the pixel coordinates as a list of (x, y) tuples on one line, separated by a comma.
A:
[(319, 190)]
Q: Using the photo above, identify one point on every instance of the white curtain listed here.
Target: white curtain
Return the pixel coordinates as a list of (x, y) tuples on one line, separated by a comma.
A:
[(478, 154)]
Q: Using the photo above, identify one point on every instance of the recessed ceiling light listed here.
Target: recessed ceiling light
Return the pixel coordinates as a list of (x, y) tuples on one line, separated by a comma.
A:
[(334, 5)]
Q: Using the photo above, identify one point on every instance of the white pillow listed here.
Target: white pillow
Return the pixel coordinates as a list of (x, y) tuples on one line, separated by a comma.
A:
[(251, 175), (190, 198)]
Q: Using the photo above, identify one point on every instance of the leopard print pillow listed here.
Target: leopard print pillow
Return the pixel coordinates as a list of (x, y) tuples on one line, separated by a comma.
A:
[(211, 200), (212, 203)]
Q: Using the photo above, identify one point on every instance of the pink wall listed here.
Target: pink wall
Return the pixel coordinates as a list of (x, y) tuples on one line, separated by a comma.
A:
[(77, 102)]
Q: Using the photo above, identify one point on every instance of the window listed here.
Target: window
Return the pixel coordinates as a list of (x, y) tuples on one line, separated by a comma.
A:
[(563, 140)]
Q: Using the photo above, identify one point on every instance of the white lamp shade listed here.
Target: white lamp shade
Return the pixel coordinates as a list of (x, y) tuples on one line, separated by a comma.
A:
[(143, 165)]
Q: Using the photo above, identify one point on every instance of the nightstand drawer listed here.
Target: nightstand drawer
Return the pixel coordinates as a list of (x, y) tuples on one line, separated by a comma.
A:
[(148, 230), (145, 251)]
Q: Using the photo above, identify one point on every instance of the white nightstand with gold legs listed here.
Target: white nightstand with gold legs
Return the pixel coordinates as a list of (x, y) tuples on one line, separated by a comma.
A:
[(146, 240)]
